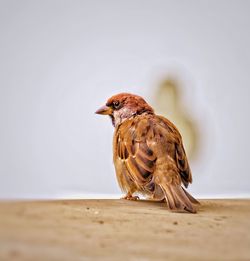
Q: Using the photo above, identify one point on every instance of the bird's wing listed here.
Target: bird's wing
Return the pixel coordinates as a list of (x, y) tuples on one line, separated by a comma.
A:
[(133, 150), (136, 140), (177, 152), (172, 167)]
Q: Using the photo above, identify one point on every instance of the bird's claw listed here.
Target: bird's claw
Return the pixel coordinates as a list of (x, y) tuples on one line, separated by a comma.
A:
[(130, 197)]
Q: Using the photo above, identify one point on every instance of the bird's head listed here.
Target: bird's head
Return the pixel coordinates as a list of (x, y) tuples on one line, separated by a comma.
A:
[(123, 106)]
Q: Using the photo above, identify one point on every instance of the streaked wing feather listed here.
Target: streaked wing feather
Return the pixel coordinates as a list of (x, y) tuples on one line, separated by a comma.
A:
[(178, 151), (140, 160)]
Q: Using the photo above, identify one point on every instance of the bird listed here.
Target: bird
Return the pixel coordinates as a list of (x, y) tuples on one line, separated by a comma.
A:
[(148, 153)]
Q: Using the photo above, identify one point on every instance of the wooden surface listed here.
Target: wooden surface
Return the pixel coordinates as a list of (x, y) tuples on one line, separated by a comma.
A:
[(123, 230)]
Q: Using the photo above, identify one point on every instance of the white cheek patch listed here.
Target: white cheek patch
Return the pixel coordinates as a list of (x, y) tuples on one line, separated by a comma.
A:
[(122, 114), (117, 118)]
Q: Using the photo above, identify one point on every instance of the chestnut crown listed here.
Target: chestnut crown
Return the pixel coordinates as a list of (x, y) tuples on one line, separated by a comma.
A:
[(124, 106)]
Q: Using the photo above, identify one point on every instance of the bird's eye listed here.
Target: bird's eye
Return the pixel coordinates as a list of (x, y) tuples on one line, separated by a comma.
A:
[(116, 104)]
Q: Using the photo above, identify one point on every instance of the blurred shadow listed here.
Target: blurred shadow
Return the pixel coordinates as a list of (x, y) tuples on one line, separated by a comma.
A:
[(168, 102)]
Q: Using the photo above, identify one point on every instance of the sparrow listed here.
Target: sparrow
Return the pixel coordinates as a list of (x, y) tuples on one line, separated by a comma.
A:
[(148, 153)]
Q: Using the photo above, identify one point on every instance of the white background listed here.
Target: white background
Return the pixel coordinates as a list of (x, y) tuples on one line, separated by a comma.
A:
[(61, 60)]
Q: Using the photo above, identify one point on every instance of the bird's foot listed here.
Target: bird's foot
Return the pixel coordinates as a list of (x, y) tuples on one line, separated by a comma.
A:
[(130, 197)]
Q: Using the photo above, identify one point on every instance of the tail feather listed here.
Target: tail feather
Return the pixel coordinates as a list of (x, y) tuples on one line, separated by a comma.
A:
[(173, 202), (177, 199)]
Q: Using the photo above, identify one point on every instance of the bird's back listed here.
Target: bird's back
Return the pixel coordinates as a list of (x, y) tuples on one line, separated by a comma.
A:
[(148, 147)]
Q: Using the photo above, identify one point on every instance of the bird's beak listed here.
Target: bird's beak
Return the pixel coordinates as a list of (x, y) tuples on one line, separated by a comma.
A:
[(104, 110)]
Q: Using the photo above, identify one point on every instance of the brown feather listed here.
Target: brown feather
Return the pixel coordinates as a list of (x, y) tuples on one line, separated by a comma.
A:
[(149, 155)]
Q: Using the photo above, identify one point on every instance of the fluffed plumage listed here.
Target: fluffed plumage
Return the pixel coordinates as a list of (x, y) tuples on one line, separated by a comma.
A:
[(149, 156)]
